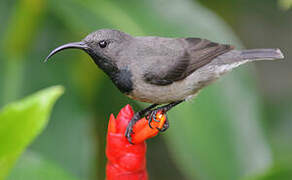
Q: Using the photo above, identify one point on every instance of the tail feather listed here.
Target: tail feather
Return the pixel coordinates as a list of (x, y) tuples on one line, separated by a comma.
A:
[(262, 54), (235, 58)]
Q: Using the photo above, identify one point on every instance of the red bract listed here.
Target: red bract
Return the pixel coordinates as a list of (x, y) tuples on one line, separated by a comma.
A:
[(127, 161)]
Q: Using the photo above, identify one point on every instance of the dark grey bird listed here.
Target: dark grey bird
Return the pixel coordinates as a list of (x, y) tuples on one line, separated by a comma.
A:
[(162, 70)]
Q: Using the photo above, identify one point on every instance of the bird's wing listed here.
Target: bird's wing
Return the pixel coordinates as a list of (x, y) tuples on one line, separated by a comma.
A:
[(196, 53)]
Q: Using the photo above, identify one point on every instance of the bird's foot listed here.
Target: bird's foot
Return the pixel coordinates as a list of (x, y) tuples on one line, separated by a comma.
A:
[(155, 115), (165, 126), (151, 114)]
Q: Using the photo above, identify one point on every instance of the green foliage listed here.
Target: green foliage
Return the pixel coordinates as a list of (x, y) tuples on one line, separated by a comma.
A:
[(23, 23), (283, 172), (21, 122), (33, 167), (17, 40), (285, 4), (208, 124)]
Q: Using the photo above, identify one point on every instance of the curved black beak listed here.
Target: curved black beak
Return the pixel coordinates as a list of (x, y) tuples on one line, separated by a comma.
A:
[(73, 45)]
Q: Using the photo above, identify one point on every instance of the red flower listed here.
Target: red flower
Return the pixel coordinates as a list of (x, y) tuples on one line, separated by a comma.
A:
[(125, 160)]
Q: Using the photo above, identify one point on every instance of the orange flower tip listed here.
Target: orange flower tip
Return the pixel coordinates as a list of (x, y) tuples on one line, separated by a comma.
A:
[(112, 125), (142, 131)]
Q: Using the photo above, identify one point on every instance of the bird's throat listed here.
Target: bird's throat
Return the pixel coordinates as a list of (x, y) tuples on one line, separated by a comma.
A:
[(122, 78), (106, 65)]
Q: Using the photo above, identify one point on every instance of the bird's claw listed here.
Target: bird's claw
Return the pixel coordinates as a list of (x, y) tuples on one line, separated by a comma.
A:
[(151, 116), (129, 133), (165, 126)]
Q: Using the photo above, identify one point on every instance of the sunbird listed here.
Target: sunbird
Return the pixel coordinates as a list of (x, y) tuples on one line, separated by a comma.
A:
[(160, 70)]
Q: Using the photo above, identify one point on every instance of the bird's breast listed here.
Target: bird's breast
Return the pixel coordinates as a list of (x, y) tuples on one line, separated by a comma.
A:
[(150, 93)]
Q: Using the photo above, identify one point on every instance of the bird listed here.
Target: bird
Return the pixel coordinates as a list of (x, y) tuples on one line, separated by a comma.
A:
[(162, 71)]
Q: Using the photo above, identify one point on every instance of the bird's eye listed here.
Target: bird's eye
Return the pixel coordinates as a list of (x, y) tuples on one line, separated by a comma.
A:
[(102, 44)]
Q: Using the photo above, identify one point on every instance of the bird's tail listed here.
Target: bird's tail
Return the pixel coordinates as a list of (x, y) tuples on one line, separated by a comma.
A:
[(235, 58), (261, 54)]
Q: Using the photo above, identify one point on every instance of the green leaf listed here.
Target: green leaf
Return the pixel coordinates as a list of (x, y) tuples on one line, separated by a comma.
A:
[(31, 166), (283, 172), (21, 122)]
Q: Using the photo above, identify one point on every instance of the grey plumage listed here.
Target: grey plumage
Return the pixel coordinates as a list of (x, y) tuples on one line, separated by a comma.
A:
[(163, 70), (184, 89)]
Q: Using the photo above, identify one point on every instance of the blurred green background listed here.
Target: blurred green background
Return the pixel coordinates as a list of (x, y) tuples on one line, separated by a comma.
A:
[(239, 128)]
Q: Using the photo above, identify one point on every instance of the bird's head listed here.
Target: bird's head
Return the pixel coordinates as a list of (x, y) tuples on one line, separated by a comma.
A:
[(102, 45)]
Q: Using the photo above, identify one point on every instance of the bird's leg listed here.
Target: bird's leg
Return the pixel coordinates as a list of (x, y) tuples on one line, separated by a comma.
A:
[(152, 113), (137, 116)]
